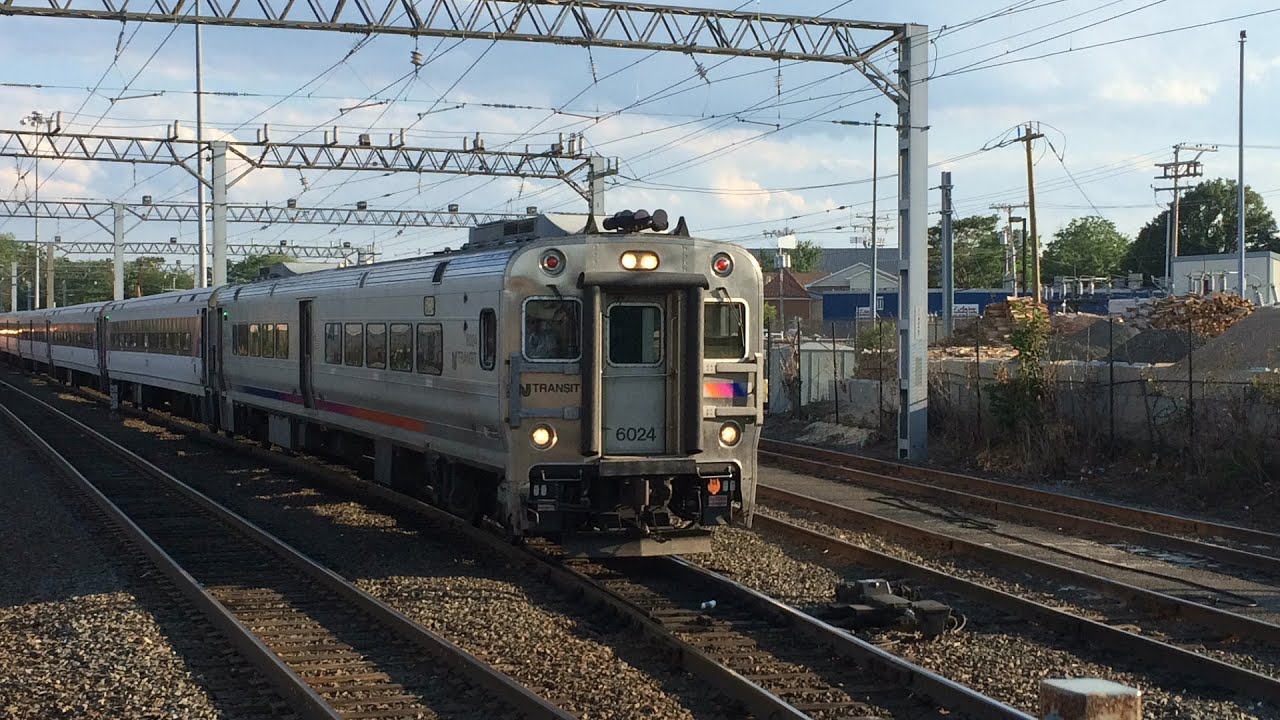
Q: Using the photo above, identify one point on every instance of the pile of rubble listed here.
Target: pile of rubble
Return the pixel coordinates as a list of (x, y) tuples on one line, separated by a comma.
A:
[(1207, 315)]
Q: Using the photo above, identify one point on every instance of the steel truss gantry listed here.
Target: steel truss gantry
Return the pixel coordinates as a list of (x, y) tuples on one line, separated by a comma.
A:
[(395, 156), (111, 217), (641, 26)]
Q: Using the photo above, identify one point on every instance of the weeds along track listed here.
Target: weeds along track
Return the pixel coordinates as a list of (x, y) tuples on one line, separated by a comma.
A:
[(738, 657), (330, 649)]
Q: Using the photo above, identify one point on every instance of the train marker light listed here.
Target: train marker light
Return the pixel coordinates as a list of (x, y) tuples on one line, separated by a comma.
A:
[(730, 433), (722, 264), (639, 260), (552, 262), (543, 437), (713, 486)]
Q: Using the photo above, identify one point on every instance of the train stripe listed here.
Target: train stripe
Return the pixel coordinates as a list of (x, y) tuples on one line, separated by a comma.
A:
[(724, 390), (376, 416)]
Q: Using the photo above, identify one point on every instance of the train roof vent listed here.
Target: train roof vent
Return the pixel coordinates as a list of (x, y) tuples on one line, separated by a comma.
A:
[(525, 229)]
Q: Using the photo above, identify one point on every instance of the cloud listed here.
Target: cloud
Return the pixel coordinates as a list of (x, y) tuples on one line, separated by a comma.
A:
[(1183, 90)]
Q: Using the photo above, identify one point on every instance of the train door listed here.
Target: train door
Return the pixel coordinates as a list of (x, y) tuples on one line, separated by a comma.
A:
[(48, 343), (634, 374), (100, 327), (304, 353)]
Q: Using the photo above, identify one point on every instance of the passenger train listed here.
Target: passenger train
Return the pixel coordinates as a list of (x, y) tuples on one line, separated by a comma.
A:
[(600, 386)]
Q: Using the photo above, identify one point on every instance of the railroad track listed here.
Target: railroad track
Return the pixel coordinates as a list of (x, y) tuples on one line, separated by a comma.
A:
[(1230, 544), (744, 647), (330, 649), (1130, 619), (1238, 597)]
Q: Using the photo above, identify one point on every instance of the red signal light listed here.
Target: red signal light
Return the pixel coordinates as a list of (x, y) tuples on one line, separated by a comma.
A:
[(722, 264)]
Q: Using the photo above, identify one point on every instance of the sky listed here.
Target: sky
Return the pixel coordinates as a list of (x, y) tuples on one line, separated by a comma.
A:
[(738, 146)]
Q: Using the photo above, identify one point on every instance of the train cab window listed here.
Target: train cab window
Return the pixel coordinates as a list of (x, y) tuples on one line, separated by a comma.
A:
[(267, 339), (722, 331), (376, 346), (488, 338), (635, 335), (552, 327), (353, 345), (333, 343), (401, 357), (255, 346), (282, 341), (430, 348)]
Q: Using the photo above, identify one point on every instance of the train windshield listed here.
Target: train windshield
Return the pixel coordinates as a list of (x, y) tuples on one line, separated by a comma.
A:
[(722, 334), (552, 328)]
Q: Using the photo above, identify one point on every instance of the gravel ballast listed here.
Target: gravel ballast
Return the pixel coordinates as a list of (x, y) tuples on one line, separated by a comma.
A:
[(999, 656), (81, 634), (550, 642)]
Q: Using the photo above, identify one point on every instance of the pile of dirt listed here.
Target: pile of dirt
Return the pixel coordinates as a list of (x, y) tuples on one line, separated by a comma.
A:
[(1209, 315), (1252, 343), (1157, 346), (1092, 340)]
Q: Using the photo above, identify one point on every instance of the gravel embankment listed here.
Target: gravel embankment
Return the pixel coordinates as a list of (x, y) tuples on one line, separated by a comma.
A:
[(84, 632), (549, 642), (999, 656)]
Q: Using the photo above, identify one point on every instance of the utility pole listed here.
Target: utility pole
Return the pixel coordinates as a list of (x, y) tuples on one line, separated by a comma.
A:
[(1013, 254), (1176, 171), (786, 241), (875, 239), (49, 289), (948, 260), (202, 266), (1029, 135), (1240, 180), (13, 286)]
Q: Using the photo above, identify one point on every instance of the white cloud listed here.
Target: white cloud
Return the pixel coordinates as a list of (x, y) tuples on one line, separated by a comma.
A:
[(1181, 90)]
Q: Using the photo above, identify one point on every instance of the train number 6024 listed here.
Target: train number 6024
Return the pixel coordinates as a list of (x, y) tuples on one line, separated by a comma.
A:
[(635, 434)]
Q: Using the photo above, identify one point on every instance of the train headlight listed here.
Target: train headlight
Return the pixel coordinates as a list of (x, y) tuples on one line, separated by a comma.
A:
[(722, 264), (552, 262), (639, 260), (543, 437), (730, 434)]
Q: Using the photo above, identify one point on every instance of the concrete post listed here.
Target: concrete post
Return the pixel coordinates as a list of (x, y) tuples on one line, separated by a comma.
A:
[(50, 300), (598, 171), (948, 261), (219, 206), (117, 257), (1089, 699), (13, 286), (913, 229)]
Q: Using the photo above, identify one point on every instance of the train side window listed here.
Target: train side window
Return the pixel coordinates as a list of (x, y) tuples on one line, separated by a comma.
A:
[(267, 338), (255, 344), (376, 346), (333, 343), (722, 330), (401, 358), (430, 348), (488, 338), (552, 328), (282, 341), (353, 345)]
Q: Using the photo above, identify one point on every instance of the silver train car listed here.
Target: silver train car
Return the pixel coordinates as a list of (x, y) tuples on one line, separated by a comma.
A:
[(599, 387)]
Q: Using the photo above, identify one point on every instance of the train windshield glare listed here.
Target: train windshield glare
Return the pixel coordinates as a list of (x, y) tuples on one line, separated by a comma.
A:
[(552, 328), (722, 335)]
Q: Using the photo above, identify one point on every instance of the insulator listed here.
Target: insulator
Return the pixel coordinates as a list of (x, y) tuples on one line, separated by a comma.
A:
[(415, 57)]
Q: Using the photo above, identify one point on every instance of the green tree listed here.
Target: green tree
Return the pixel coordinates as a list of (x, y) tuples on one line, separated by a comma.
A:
[(247, 269), (1086, 247), (1206, 226), (978, 255)]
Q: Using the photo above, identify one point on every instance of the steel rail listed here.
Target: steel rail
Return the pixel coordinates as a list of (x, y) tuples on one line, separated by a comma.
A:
[(995, 503), (1116, 512), (1186, 664), (458, 659), (1151, 600), (754, 698)]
